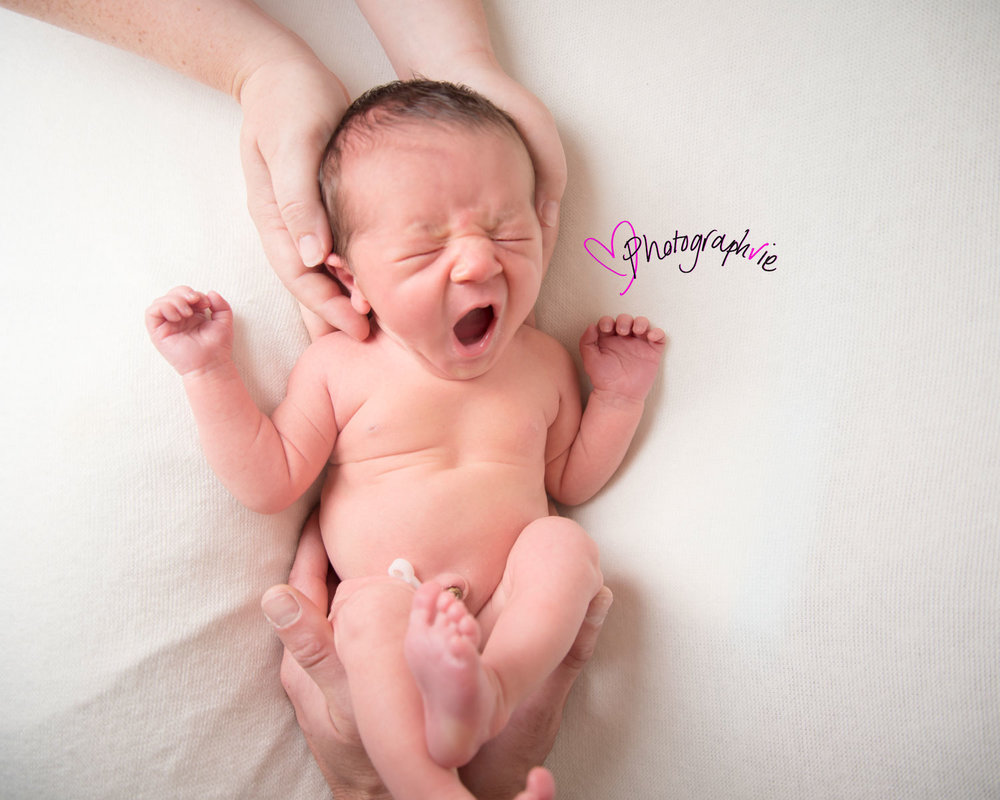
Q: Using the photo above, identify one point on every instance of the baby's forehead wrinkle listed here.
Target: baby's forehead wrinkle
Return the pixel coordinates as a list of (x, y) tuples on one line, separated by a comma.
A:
[(488, 220)]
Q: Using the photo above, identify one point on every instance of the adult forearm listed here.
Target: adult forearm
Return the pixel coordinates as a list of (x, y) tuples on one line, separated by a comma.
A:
[(217, 42), (430, 37)]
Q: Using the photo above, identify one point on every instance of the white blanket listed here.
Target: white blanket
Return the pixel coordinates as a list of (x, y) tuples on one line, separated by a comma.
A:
[(804, 542)]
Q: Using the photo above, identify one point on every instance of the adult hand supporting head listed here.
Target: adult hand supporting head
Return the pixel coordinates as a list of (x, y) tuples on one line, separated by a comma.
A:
[(315, 682), (448, 40), (291, 106)]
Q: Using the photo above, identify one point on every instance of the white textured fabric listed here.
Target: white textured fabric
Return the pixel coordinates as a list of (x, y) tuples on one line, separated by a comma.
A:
[(803, 542)]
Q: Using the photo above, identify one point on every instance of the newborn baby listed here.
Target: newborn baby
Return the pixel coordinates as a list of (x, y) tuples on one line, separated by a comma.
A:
[(445, 431)]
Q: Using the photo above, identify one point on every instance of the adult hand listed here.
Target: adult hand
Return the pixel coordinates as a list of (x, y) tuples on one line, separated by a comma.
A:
[(291, 105), (312, 674), (448, 40), (497, 771), (315, 682)]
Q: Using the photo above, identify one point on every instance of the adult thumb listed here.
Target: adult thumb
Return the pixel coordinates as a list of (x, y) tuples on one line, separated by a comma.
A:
[(306, 633)]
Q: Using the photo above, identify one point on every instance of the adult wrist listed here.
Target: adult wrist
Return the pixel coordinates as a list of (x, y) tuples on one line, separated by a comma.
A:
[(473, 58), (273, 45), (471, 66)]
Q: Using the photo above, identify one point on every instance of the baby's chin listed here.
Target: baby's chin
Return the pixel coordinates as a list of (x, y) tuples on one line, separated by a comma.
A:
[(456, 361), (451, 366)]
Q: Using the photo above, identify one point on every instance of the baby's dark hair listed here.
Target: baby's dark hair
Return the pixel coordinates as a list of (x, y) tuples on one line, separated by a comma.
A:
[(389, 106)]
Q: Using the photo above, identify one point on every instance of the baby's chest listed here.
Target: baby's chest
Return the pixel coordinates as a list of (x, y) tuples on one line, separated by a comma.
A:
[(451, 422)]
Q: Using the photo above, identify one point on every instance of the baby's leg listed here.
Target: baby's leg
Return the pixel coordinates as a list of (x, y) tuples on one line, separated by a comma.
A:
[(552, 574), (459, 696), (370, 622)]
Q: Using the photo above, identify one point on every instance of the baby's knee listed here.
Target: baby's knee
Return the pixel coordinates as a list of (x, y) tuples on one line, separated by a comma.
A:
[(563, 541)]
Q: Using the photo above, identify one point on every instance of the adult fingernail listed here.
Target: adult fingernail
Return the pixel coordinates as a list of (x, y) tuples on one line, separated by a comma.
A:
[(549, 213), (281, 609), (598, 611), (310, 252)]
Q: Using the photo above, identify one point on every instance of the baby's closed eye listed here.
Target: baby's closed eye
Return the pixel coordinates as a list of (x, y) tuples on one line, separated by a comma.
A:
[(425, 252), (419, 255), (513, 236)]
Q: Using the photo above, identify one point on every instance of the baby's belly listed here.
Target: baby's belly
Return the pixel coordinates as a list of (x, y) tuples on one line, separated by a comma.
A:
[(462, 520)]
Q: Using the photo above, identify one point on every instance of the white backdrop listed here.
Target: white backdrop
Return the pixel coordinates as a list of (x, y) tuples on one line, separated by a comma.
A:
[(803, 543)]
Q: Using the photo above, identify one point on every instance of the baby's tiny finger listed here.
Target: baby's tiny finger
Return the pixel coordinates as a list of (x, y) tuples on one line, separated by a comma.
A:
[(217, 302), (154, 315), (169, 310), (590, 335), (606, 324), (623, 325), (181, 294), (186, 309), (200, 302), (640, 326)]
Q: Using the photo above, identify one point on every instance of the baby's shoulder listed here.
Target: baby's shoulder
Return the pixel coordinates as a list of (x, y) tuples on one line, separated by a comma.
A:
[(340, 354), (337, 345), (544, 348)]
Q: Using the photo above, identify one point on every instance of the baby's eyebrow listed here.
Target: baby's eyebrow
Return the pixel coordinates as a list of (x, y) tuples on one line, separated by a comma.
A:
[(425, 229)]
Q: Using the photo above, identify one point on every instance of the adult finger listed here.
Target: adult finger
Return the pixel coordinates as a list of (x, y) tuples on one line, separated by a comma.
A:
[(294, 172), (531, 731), (538, 130), (313, 288), (312, 673), (303, 629), (549, 159), (323, 295), (586, 640), (312, 565)]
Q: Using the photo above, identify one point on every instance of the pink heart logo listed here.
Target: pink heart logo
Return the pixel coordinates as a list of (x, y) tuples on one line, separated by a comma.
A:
[(611, 254)]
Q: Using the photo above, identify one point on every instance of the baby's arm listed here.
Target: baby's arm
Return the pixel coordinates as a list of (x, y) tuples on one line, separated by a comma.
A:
[(267, 463), (621, 357)]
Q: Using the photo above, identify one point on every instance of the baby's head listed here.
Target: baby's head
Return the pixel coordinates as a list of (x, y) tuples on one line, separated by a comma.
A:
[(430, 191), (397, 107)]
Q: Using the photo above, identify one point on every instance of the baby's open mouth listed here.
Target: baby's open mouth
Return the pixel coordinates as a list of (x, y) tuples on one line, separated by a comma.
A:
[(471, 328)]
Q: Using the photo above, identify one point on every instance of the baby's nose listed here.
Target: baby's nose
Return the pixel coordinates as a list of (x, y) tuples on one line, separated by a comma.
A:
[(475, 261)]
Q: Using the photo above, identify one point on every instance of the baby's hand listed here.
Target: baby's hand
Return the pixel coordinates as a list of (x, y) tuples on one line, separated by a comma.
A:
[(193, 331), (621, 356)]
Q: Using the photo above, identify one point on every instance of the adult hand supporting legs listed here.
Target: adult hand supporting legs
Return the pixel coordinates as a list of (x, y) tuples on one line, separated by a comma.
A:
[(315, 682)]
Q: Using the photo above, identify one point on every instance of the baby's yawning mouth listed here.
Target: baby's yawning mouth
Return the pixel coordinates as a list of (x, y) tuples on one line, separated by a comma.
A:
[(473, 326)]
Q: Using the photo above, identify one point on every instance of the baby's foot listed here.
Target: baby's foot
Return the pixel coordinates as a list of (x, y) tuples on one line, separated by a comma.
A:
[(460, 699)]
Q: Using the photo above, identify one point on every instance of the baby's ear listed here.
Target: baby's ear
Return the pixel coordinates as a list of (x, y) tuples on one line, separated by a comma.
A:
[(342, 272)]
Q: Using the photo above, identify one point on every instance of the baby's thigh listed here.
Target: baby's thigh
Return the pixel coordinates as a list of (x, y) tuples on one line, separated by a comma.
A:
[(551, 546), (369, 611), (550, 552)]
